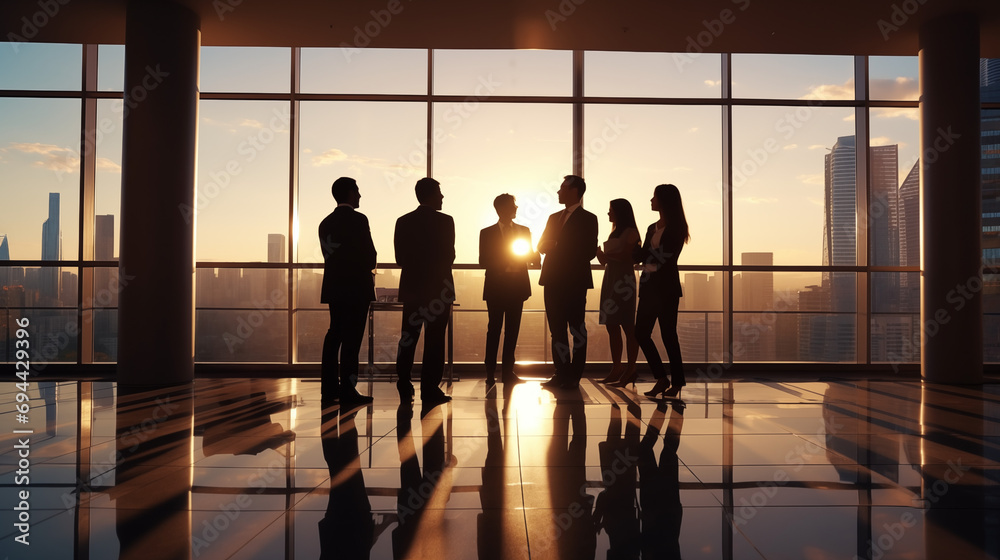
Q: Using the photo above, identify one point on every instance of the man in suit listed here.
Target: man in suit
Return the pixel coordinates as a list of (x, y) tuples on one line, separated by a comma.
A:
[(569, 243), (425, 250), (504, 251), (348, 288)]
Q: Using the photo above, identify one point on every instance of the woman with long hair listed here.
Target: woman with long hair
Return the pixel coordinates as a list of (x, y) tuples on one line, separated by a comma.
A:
[(618, 290), (660, 289)]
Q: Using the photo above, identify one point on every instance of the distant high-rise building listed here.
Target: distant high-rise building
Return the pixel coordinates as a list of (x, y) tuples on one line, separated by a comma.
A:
[(104, 237), (989, 130), (275, 283), (883, 224), (4, 256), (755, 330), (909, 218), (840, 222), (51, 251), (275, 248), (758, 287)]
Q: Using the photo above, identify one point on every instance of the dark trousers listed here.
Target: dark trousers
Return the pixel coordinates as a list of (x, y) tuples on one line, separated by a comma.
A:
[(506, 315), (565, 309), (433, 317), (342, 346), (664, 310)]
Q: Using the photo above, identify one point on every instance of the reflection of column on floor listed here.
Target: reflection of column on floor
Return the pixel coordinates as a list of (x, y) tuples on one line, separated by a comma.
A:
[(152, 492), (953, 490)]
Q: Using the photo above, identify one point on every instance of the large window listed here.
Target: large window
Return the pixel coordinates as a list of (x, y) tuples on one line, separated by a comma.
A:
[(774, 156)]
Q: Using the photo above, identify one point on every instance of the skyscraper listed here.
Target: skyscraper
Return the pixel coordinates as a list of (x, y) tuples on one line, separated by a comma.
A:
[(909, 237), (104, 237), (51, 251), (4, 256), (883, 224), (840, 222), (105, 321), (276, 283)]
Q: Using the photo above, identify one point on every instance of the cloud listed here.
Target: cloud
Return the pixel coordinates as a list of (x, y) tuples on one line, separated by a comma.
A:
[(881, 141), (355, 163), (105, 164), (818, 147), (790, 146), (713, 83), (831, 91), (812, 179), (757, 200), (693, 129), (895, 113), (896, 89), (55, 158), (330, 156), (251, 123)]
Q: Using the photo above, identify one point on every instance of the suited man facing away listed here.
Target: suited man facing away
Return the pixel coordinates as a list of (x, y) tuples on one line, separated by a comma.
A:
[(505, 252), (569, 243), (348, 288), (425, 250)]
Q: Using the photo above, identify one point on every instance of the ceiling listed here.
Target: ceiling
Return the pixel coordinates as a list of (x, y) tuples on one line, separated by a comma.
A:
[(876, 27)]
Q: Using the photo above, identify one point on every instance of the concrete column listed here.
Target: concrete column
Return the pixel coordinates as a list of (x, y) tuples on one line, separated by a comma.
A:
[(156, 304), (951, 303)]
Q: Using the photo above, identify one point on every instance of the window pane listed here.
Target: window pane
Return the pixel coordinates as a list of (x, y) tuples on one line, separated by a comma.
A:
[(627, 154), (260, 289), (108, 184), (793, 76), (111, 67), (808, 337), (382, 71), (632, 74), (895, 338), (39, 286), (893, 210), (783, 202), (41, 66), (105, 335), (241, 336), (246, 69), (382, 145), (702, 291), (40, 164), (894, 78), (991, 317), (483, 73), (521, 149), (52, 333), (242, 194)]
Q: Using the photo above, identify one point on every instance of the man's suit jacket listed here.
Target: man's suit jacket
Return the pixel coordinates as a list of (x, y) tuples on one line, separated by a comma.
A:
[(567, 262), (496, 257), (666, 279), (425, 250), (349, 256)]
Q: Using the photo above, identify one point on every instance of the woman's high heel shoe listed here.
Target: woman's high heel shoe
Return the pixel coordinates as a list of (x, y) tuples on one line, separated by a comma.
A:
[(627, 378), (661, 386), (406, 391), (615, 375)]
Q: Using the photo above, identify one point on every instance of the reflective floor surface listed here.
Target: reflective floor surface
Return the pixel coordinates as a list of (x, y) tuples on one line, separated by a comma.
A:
[(247, 468)]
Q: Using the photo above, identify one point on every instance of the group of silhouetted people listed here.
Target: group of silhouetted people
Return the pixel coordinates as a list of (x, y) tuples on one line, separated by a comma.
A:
[(424, 243)]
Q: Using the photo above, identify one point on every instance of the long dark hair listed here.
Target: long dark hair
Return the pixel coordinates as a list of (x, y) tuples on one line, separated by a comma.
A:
[(624, 217), (671, 207)]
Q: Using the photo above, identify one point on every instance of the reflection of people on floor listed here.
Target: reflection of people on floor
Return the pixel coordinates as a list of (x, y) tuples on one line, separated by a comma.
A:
[(572, 507), (615, 511), (419, 530), (491, 538), (234, 418), (347, 529), (659, 495)]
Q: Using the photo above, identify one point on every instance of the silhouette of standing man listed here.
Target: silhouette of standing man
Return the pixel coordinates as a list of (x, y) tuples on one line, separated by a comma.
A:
[(348, 288), (504, 251), (569, 243), (425, 250)]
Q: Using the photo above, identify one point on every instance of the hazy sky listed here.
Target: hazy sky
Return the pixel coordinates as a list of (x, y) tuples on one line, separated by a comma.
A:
[(480, 148)]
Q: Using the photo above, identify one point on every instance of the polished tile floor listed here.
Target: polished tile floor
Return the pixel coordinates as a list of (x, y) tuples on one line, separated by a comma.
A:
[(251, 468)]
